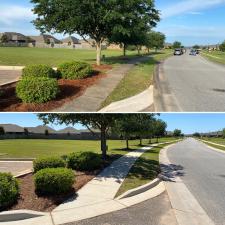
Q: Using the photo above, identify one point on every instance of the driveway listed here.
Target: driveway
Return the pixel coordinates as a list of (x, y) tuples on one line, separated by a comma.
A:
[(190, 84), (15, 167), (7, 76), (203, 174)]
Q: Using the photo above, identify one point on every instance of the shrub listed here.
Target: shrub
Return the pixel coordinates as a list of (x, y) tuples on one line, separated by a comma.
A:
[(49, 162), (9, 190), (75, 70), (37, 89), (84, 161), (39, 71), (52, 181)]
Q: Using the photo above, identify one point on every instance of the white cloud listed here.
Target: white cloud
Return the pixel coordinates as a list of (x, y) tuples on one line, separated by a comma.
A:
[(187, 6), (10, 14)]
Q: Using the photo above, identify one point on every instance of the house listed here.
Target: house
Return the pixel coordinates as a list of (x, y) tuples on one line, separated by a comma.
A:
[(12, 129), (44, 40), (114, 47), (41, 130), (91, 44), (70, 40), (13, 37)]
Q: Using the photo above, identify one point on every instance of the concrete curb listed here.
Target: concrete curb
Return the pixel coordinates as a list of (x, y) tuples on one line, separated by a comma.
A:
[(215, 149), (16, 68), (186, 208), (137, 103), (25, 172), (17, 159)]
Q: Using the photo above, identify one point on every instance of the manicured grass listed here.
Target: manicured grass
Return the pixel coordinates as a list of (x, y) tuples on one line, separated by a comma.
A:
[(26, 148), (143, 171), (215, 56), (220, 141), (53, 57), (137, 80)]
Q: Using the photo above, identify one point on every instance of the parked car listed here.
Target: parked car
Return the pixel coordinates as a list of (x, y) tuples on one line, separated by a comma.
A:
[(178, 52), (193, 52)]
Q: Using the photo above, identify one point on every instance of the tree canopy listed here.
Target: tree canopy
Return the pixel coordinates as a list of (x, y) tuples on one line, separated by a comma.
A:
[(177, 44), (222, 47), (97, 19), (177, 133), (155, 40)]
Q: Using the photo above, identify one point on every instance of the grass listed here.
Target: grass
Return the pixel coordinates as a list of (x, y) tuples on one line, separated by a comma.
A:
[(220, 141), (25, 148), (20, 56), (143, 171), (137, 80), (215, 56)]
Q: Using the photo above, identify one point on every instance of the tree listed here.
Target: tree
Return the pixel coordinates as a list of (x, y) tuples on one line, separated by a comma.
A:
[(2, 131), (223, 133), (177, 44), (26, 132), (196, 47), (198, 135), (102, 122), (4, 38), (222, 47), (177, 133), (159, 129), (96, 19), (46, 132), (155, 40)]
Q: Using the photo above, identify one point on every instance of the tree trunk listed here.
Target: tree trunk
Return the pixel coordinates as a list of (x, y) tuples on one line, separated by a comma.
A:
[(140, 141), (99, 51), (103, 143), (150, 140), (124, 49), (127, 143), (138, 50), (157, 140)]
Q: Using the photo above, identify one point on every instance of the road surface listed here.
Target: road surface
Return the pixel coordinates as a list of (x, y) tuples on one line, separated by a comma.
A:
[(190, 84), (156, 211), (203, 174)]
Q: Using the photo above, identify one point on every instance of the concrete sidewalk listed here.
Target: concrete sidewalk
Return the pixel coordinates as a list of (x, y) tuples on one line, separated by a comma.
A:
[(95, 95), (9, 76)]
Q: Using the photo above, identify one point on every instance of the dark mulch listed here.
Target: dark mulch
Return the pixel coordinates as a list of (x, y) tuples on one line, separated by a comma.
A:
[(31, 201), (69, 90)]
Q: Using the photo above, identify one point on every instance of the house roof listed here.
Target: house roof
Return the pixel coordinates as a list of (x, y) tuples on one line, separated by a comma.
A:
[(12, 128), (15, 36), (41, 129), (71, 39), (44, 37)]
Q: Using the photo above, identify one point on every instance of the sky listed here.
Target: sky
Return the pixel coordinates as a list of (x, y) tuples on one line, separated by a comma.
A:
[(189, 21), (188, 123)]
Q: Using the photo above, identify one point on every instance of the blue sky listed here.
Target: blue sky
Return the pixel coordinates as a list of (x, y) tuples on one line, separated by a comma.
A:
[(188, 123), (190, 21)]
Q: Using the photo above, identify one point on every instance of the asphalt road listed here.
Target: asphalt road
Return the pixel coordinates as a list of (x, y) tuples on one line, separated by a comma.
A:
[(190, 84), (204, 175), (156, 211)]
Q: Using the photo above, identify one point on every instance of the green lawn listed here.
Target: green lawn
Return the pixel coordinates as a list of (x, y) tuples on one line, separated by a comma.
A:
[(24, 56), (137, 80), (26, 148), (143, 171), (220, 141), (215, 56)]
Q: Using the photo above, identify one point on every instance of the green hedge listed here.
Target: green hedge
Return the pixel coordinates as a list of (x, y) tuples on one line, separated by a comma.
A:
[(37, 89), (53, 181), (75, 70), (84, 161), (9, 190), (39, 71), (48, 162)]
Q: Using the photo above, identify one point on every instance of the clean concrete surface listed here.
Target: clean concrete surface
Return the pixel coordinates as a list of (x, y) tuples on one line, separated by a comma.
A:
[(9, 76), (201, 169), (156, 211), (95, 95), (136, 103), (16, 167), (190, 84)]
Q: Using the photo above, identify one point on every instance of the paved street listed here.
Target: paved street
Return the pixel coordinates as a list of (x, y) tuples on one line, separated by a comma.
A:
[(191, 84), (15, 168), (9, 76), (156, 211), (203, 174)]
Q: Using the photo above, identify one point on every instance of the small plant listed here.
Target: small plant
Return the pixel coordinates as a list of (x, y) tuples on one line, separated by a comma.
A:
[(37, 89), (9, 190), (49, 162), (84, 161), (75, 70), (39, 71), (53, 181)]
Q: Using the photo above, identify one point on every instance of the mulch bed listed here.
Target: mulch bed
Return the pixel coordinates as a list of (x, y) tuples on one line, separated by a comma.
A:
[(69, 90), (31, 201)]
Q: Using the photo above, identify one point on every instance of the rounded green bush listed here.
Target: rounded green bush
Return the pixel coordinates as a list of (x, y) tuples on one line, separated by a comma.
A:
[(39, 71), (37, 89), (75, 70), (9, 190), (53, 181), (48, 162), (84, 161)]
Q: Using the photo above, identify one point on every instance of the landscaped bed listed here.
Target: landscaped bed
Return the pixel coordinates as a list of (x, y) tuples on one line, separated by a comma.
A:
[(69, 90)]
